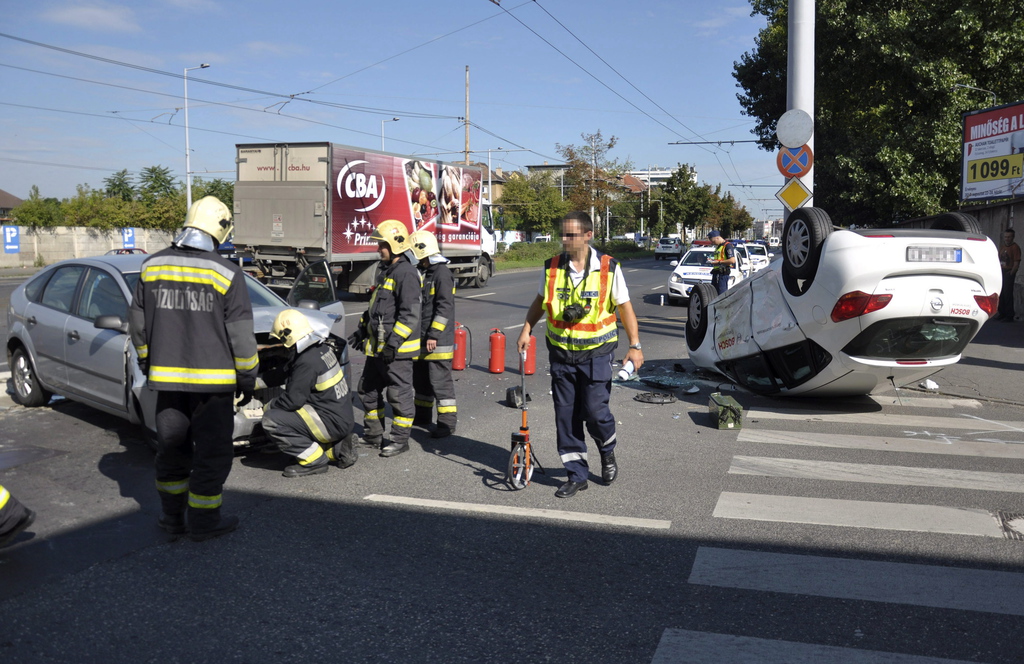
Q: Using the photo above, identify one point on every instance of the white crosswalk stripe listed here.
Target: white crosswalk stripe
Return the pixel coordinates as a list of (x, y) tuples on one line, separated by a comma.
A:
[(959, 435)]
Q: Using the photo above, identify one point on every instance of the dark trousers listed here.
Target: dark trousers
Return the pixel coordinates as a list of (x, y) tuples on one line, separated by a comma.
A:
[(1006, 296), (194, 448), (432, 382), (720, 282), (11, 512), (394, 380), (581, 393)]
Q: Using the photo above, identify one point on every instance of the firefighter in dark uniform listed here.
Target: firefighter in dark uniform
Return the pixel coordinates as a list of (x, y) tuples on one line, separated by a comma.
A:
[(14, 517), (191, 324), (312, 420), (580, 292), (388, 334), (432, 371)]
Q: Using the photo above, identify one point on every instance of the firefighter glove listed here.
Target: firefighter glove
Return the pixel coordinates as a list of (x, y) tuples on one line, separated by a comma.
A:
[(244, 388), (388, 354)]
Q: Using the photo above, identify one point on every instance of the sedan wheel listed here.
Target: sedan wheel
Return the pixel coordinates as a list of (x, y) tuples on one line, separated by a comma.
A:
[(697, 314), (802, 238), (26, 386)]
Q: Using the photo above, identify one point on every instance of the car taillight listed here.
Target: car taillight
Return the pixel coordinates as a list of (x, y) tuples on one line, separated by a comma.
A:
[(988, 303), (858, 303)]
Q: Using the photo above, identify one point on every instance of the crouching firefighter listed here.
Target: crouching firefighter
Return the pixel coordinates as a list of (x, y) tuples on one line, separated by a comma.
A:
[(312, 420), (432, 370)]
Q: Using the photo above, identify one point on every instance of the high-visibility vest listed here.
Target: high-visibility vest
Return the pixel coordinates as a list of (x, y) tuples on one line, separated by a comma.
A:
[(595, 334)]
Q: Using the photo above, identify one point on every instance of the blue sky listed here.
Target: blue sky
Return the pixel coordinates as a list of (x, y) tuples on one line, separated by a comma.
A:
[(101, 88)]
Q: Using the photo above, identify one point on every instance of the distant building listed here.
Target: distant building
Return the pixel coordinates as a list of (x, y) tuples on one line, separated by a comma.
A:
[(656, 176), (557, 172), (7, 203)]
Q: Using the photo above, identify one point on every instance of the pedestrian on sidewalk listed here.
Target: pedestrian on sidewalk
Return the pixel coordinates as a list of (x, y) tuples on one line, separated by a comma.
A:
[(1009, 263)]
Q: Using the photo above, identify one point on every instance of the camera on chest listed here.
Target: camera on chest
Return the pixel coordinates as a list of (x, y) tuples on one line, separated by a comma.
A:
[(574, 312)]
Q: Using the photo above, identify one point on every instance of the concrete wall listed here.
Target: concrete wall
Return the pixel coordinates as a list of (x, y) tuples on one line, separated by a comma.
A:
[(43, 246)]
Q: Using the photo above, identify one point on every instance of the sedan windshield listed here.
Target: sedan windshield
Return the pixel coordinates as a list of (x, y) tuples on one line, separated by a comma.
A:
[(696, 258)]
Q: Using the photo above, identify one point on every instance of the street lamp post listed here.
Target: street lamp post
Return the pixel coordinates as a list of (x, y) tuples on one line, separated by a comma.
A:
[(971, 87), (382, 131), (188, 151)]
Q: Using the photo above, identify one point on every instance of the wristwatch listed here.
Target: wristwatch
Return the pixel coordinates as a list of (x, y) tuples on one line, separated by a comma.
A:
[(635, 346)]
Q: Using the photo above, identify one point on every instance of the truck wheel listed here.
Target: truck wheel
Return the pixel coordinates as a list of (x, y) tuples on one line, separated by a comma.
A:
[(805, 232), (956, 221), (483, 273), (697, 314)]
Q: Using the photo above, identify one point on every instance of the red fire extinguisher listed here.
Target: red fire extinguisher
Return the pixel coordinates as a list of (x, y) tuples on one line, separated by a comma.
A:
[(531, 357), (461, 337), (497, 361)]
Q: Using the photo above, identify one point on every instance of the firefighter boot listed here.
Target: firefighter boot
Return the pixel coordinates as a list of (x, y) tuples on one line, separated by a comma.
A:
[(344, 452), (172, 520), (302, 470), (206, 523)]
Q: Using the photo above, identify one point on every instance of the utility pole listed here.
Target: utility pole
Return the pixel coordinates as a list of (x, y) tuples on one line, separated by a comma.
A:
[(467, 114)]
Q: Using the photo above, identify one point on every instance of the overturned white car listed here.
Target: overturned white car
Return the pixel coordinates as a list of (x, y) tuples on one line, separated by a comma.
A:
[(849, 312)]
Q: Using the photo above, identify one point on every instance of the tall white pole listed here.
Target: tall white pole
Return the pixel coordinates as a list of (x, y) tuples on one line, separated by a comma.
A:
[(800, 88), (188, 151), (382, 131)]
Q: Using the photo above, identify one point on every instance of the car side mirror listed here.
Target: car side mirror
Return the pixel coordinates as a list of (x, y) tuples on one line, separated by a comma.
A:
[(111, 323), (673, 263), (309, 304)]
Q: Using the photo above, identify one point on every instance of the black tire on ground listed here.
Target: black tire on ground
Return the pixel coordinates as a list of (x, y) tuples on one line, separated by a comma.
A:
[(27, 389), (483, 273), (697, 314), (802, 237), (956, 221)]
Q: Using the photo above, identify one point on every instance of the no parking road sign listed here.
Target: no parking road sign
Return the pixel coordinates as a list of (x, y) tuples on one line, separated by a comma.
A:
[(795, 162)]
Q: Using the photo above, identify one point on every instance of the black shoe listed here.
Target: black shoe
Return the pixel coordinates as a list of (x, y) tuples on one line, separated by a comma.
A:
[(609, 469), (223, 527), (22, 524), (395, 449), (569, 489), (173, 524), (298, 470), (344, 453), (374, 441), (442, 431), (423, 422)]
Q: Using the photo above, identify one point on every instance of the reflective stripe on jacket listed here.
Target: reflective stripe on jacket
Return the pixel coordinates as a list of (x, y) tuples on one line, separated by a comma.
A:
[(394, 315), (595, 334), (437, 315)]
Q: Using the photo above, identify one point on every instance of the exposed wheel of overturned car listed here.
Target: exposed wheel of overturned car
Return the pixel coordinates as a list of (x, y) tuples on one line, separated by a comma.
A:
[(802, 237), (956, 221), (697, 315)]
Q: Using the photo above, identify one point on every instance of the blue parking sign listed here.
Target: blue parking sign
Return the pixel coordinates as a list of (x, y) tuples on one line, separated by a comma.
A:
[(128, 238), (12, 240)]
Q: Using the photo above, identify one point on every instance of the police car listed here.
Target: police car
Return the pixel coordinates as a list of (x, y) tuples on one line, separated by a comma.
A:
[(694, 269), (849, 312)]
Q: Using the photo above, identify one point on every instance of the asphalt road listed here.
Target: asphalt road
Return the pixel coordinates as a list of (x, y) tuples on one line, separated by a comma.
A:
[(860, 530)]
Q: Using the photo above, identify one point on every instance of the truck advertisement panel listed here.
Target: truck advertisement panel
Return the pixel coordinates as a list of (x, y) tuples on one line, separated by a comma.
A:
[(368, 188), (993, 156)]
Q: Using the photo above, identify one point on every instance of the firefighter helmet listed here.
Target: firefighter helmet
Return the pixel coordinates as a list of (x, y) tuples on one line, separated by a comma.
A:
[(423, 244), (394, 233), (291, 327), (211, 216)]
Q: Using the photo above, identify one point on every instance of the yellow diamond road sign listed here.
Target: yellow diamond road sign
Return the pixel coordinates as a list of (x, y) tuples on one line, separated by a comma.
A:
[(793, 194)]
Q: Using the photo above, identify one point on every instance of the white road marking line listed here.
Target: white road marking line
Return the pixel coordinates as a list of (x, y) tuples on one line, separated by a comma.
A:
[(887, 443), (682, 645), (892, 419), (948, 478), (923, 402), (858, 514), (601, 519), (470, 297), (875, 581), (5, 375), (658, 287)]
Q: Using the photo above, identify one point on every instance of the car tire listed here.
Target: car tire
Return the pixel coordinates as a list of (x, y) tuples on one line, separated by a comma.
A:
[(956, 221), (697, 314), (27, 389), (805, 232)]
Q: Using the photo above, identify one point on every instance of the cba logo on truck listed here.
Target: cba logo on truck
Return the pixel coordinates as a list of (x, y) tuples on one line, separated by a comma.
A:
[(366, 187)]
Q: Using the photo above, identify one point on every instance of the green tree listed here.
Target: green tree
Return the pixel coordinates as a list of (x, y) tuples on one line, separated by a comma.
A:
[(591, 176), (222, 189), (686, 202), (155, 183), (531, 203), (119, 185), (888, 118), (38, 212)]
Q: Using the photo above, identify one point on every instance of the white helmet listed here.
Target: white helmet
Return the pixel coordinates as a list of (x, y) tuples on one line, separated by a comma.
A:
[(423, 244), (291, 327), (211, 216), (394, 233)]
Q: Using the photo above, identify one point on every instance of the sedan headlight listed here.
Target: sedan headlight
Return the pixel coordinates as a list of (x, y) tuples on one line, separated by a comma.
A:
[(675, 279)]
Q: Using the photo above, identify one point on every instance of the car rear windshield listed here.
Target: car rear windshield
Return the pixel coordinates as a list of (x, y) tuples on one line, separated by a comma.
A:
[(913, 339)]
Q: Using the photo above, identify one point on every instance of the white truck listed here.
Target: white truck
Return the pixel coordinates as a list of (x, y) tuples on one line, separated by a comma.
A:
[(300, 203)]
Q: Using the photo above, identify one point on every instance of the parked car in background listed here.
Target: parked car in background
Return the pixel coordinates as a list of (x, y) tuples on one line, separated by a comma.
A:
[(757, 256), (694, 269), (124, 251), (849, 312), (668, 247), (68, 335)]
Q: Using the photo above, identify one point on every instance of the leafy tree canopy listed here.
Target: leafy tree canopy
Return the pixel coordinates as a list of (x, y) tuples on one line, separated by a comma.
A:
[(887, 122), (531, 203), (591, 177)]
